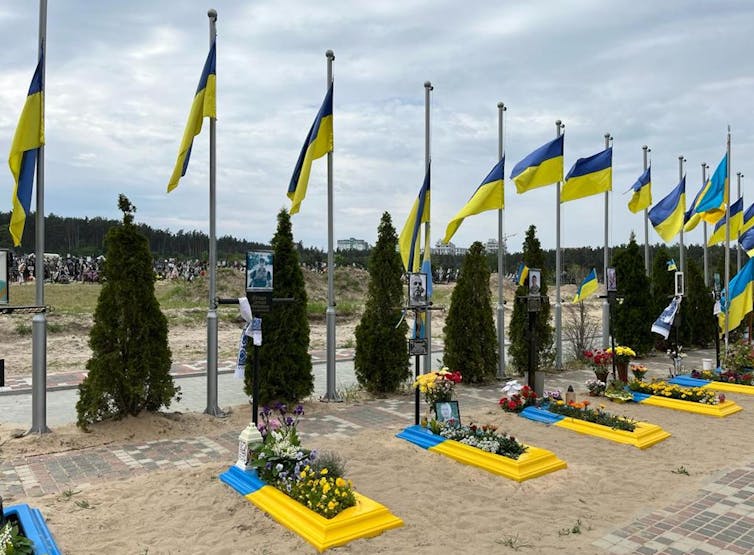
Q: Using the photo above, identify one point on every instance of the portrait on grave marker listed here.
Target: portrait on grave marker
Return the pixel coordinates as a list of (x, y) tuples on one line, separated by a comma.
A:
[(259, 271), (417, 289), (4, 277), (447, 411), (679, 284), (612, 280), (417, 347), (535, 282)]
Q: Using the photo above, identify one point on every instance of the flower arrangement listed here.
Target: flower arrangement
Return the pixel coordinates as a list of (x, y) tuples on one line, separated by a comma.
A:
[(639, 371), (599, 360), (519, 397), (599, 416), (485, 437), (596, 387), (616, 391), (12, 542), (622, 353), (729, 376), (438, 386), (672, 391), (281, 462), (676, 355), (739, 355)]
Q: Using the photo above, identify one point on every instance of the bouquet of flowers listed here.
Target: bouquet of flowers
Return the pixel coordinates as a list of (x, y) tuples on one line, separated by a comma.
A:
[(438, 386), (518, 397), (639, 371), (622, 353), (676, 355), (599, 360), (596, 387)]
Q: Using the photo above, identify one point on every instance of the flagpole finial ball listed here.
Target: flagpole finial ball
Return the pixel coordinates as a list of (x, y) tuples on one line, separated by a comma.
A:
[(501, 105), (427, 85), (330, 54), (212, 14), (645, 147)]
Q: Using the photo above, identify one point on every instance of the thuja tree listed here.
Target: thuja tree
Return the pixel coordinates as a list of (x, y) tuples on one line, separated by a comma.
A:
[(470, 336), (130, 366), (285, 364), (632, 317), (518, 351), (698, 324), (381, 360)]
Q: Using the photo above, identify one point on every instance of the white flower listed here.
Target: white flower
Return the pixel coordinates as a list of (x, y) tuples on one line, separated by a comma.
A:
[(512, 387)]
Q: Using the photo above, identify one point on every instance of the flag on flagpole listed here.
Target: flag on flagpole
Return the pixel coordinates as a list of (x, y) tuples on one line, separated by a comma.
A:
[(204, 105), (672, 267), (748, 221), (408, 240), (490, 195), (736, 221), (691, 219), (521, 274), (588, 287), (667, 215), (319, 141), (589, 176), (642, 197), (27, 140), (542, 167), (741, 296), (710, 205), (746, 240), (663, 324)]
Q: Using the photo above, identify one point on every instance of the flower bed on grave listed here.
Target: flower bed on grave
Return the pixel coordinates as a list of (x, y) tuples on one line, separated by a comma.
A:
[(484, 447), (581, 417), (689, 399), (729, 382), (304, 491), (25, 532)]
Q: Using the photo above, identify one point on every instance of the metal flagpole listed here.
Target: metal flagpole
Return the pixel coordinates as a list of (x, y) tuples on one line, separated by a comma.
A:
[(645, 150), (605, 304), (39, 320), (681, 160), (727, 239), (704, 249), (739, 175), (500, 257), (558, 306), (427, 314), (212, 407), (330, 394)]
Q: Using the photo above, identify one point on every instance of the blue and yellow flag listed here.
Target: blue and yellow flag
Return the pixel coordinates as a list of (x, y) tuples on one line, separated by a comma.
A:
[(667, 215), (490, 195), (736, 221), (642, 197), (204, 105), (748, 222), (741, 296), (542, 167), (672, 267), (710, 206), (589, 176), (522, 273), (319, 141), (408, 241), (746, 240), (27, 140), (588, 287), (691, 219)]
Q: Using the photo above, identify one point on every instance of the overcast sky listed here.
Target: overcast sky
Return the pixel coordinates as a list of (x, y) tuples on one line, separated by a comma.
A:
[(121, 76)]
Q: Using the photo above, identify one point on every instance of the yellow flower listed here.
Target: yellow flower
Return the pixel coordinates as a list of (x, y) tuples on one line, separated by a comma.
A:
[(323, 471), (340, 482)]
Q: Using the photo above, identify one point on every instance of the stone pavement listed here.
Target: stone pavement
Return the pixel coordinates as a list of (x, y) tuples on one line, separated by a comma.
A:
[(718, 519)]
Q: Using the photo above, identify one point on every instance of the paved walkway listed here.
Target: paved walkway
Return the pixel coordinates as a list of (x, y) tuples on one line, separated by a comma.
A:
[(718, 520)]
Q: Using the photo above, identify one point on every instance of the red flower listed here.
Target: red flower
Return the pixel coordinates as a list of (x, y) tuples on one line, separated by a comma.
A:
[(512, 405)]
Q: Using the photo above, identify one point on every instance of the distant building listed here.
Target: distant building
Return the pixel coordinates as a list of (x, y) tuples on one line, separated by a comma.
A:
[(491, 245), (440, 248), (352, 245)]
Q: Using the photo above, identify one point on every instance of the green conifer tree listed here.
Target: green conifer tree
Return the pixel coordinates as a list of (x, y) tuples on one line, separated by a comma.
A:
[(381, 360), (284, 360), (470, 336), (698, 324), (518, 351), (130, 366), (633, 317)]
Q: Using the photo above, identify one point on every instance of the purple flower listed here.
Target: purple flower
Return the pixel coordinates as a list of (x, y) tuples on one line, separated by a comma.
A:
[(299, 410), (288, 421)]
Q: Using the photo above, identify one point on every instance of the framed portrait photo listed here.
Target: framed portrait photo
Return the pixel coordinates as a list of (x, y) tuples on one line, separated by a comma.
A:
[(417, 289), (4, 276), (535, 281), (679, 284), (259, 271), (447, 412), (612, 280)]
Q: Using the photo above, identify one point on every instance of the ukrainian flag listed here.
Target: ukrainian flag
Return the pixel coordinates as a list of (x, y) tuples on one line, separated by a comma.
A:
[(588, 287), (589, 176), (319, 141), (748, 222), (672, 267), (542, 167), (204, 105), (711, 203), (642, 189), (490, 195), (691, 218), (741, 289), (746, 240), (408, 241), (522, 273), (667, 215), (736, 221), (27, 140)]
